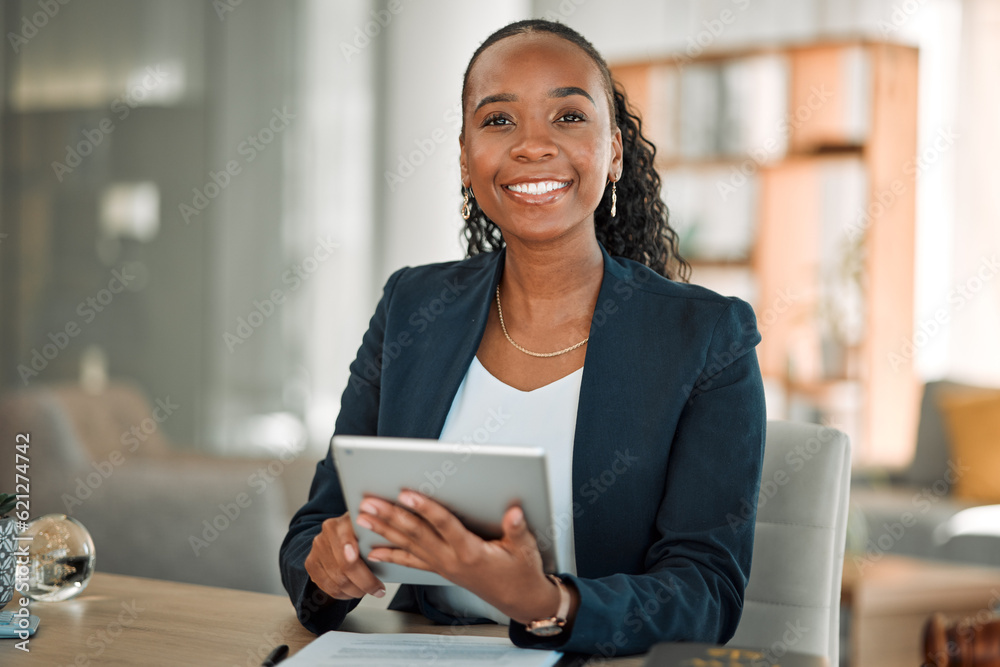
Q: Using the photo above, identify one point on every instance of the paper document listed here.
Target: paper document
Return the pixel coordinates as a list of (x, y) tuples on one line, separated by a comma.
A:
[(351, 649)]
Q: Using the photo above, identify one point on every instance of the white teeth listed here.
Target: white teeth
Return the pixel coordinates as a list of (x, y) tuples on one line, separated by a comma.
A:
[(537, 188)]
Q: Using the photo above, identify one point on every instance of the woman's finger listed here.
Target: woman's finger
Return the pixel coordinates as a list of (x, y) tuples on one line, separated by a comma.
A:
[(519, 539), (324, 568), (400, 527), (334, 566), (357, 571), (398, 557), (446, 524)]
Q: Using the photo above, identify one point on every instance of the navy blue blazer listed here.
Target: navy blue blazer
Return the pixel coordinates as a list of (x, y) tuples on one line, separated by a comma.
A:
[(667, 451)]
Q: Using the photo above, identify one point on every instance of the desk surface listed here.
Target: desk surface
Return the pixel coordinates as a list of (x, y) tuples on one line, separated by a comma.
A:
[(131, 621), (891, 597)]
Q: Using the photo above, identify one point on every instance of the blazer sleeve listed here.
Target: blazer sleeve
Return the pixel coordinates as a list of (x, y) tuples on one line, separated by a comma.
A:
[(359, 412), (698, 566)]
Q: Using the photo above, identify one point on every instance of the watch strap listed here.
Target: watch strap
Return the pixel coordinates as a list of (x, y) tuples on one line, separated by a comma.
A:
[(564, 598), (548, 627)]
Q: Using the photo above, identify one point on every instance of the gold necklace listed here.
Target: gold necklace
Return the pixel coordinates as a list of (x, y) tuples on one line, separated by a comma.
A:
[(534, 354)]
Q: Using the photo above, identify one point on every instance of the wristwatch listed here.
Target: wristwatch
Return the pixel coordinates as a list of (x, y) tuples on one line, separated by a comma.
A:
[(549, 627)]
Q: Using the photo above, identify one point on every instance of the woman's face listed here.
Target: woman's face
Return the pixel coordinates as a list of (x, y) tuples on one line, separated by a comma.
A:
[(538, 147)]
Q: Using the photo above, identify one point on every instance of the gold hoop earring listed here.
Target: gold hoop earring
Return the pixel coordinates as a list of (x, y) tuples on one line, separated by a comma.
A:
[(466, 208), (614, 199)]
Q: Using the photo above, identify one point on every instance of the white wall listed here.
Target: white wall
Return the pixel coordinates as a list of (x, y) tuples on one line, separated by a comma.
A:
[(427, 49), (975, 326), (333, 191), (635, 29)]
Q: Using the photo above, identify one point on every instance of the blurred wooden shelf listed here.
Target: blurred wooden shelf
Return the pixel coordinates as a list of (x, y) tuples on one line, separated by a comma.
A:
[(828, 202)]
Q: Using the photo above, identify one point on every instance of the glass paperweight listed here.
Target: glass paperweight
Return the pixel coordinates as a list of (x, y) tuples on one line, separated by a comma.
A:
[(61, 557)]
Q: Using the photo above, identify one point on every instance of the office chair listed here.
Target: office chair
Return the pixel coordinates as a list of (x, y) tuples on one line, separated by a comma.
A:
[(792, 601)]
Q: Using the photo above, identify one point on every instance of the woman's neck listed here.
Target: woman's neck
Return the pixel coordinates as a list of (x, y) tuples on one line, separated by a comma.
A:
[(552, 282)]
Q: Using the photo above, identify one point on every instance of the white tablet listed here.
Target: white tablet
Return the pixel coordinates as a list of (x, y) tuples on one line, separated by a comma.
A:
[(476, 482)]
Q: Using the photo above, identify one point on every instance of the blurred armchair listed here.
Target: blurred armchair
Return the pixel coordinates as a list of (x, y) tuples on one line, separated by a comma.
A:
[(916, 511), (152, 509)]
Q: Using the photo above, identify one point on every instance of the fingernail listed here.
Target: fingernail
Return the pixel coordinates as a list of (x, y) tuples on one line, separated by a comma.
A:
[(380, 593), (364, 523), (408, 499), (369, 508), (349, 553), (374, 559), (518, 517)]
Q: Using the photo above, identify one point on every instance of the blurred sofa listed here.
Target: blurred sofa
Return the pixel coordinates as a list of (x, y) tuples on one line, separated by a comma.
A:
[(916, 511), (152, 508)]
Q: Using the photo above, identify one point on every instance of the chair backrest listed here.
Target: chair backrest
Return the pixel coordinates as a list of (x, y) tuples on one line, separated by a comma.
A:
[(792, 601), (930, 457)]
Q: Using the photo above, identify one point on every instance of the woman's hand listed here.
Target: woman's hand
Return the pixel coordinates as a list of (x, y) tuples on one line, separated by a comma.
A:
[(334, 566), (506, 573)]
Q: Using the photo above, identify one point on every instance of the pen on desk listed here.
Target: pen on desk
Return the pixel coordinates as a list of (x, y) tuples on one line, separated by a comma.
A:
[(277, 655)]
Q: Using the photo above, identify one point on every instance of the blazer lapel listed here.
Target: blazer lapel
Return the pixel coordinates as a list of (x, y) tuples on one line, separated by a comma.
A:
[(441, 356), (603, 399)]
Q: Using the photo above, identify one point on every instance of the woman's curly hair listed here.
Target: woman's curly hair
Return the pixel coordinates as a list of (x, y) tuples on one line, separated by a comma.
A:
[(641, 229)]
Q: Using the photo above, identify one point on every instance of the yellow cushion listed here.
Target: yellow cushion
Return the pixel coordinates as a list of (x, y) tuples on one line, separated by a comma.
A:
[(973, 423)]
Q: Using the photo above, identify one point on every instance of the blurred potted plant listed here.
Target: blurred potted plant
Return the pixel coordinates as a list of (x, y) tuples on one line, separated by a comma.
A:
[(8, 531)]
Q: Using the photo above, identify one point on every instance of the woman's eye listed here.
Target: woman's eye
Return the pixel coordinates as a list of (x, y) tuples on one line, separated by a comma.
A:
[(572, 117), (496, 119)]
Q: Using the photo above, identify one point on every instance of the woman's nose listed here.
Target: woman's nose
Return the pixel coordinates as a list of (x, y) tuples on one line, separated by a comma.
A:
[(534, 142)]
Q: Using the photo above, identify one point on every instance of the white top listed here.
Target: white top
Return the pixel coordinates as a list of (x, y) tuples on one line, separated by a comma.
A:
[(486, 410)]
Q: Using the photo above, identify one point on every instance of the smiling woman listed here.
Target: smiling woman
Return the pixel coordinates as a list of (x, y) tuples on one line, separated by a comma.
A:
[(643, 232), (568, 318)]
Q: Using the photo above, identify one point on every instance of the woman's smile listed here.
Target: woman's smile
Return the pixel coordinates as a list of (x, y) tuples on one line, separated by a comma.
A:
[(537, 187), (540, 144), (537, 192)]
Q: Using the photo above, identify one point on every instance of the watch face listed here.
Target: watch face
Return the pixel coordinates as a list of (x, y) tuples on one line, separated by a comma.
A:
[(546, 628)]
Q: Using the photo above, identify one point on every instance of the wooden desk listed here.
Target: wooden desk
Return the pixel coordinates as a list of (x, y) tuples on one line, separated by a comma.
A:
[(891, 598), (132, 621)]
